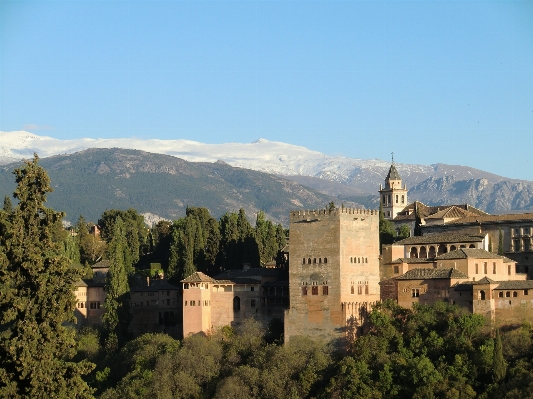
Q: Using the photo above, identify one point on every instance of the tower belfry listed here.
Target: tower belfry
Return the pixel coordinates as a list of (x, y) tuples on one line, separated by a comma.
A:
[(393, 195)]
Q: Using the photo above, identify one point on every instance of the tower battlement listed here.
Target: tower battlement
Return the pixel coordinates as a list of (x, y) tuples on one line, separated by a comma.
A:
[(324, 213)]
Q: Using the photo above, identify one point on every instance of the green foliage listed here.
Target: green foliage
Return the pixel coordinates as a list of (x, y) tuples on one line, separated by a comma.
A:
[(8, 205), (499, 366), (403, 232), (386, 228), (500, 242), (36, 300), (116, 304)]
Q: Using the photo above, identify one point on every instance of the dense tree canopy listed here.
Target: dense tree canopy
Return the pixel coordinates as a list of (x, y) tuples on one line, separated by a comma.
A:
[(36, 298)]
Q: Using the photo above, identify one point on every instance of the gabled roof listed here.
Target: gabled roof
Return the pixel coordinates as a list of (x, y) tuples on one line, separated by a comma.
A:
[(485, 280), (408, 213), (393, 174), (412, 260), (516, 218), (426, 273), (463, 253), (441, 238), (198, 277), (451, 212), (102, 264), (515, 285)]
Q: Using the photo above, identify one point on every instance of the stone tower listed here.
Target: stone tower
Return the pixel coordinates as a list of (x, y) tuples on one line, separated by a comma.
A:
[(393, 196), (333, 271)]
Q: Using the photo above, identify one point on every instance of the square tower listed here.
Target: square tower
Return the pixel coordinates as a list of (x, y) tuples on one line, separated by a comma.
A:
[(393, 196), (333, 270)]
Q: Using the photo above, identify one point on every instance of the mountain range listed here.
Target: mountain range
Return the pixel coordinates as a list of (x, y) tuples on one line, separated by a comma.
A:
[(347, 180)]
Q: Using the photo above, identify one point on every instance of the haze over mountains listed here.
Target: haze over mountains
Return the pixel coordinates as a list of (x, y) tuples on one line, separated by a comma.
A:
[(346, 179)]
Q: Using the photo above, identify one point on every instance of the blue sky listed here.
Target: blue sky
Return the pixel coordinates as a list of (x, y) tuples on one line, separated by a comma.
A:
[(435, 82)]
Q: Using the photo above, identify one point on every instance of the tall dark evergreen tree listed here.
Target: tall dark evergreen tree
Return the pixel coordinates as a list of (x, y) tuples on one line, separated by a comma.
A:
[(36, 299), (8, 205), (499, 367), (116, 316), (386, 230), (500, 242)]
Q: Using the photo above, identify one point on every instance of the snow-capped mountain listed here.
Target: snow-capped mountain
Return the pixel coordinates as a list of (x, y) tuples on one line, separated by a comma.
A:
[(348, 179), (261, 155)]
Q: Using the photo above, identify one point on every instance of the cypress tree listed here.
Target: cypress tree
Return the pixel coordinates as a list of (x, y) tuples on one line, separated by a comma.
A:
[(116, 304), (8, 206), (500, 242), (36, 299), (499, 367)]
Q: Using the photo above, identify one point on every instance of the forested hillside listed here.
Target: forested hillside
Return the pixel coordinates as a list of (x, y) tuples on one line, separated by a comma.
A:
[(89, 182), (440, 351)]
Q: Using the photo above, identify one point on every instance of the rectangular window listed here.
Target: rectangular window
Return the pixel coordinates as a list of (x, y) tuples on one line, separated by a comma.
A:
[(526, 292), (314, 290), (516, 245), (526, 244), (415, 292), (493, 267), (396, 270), (252, 288), (477, 268), (325, 290), (304, 290), (396, 198), (509, 270), (485, 267), (366, 289), (360, 289)]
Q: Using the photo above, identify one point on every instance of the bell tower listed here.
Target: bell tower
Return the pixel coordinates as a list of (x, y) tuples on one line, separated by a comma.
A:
[(393, 196)]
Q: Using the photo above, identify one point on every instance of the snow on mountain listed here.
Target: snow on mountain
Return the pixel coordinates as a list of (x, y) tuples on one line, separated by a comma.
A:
[(261, 155)]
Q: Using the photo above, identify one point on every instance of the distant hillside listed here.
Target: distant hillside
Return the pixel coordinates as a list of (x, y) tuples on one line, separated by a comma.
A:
[(93, 180)]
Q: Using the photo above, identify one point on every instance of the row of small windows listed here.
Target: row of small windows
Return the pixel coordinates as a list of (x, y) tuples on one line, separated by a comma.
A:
[(314, 290), (507, 294), (92, 305), (387, 199), (193, 303), (360, 289), (358, 260), (314, 261), (154, 302)]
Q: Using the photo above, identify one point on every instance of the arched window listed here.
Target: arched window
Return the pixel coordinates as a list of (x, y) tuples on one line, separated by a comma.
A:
[(453, 248), (325, 260), (482, 295), (403, 199), (414, 253), (236, 304), (471, 246), (515, 294), (442, 249), (366, 260), (358, 260), (352, 290), (314, 260), (423, 252), (319, 260), (507, 294), (309, 261), (303, 261), (351, 259), (431, 253)]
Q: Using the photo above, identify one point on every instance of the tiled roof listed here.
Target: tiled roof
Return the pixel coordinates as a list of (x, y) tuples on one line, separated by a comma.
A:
[(515, 285), (427, 211), (255, 272), (512, 217), (426, 273), (238, 280), (463, 253), (463, 286), (102, 264), (393, 174), (80, 283), (413, 260), (440, 238), (451, 212), (198, 277)]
